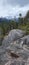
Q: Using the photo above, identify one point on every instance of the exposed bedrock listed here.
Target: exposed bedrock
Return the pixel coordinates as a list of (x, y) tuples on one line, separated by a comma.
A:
[(12, 36), (14, 48)]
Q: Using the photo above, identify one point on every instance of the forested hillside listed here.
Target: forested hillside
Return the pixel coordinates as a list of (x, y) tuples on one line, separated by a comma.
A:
[(23, 23)]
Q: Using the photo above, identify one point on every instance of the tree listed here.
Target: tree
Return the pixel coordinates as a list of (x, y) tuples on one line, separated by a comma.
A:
[(12, 24), (27, 15), (26, 18), (20, 18), (20, 15)]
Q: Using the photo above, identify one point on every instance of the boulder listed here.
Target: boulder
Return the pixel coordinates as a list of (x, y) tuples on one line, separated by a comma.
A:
[(26, 40), (12, 36)]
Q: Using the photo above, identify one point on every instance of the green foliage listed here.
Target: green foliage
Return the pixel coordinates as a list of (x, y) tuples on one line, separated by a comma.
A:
[(23, 23), (27, 15)]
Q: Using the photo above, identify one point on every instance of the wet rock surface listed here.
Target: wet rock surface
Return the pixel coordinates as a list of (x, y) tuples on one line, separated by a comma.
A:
[(14, 49)]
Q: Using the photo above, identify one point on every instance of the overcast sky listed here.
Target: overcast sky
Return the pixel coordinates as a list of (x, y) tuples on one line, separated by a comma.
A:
[(11, 8)]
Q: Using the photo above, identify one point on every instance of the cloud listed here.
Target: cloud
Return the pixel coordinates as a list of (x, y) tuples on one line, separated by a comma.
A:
[(11, 8), (18, 2)]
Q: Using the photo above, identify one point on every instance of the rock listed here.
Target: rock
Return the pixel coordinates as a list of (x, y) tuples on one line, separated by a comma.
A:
[(2, 51), (17, 63), (26, 40), (15, 47), (12, 36), (12, 51)]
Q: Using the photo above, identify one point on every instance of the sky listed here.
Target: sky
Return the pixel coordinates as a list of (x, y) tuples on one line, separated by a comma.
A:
[(12, 8)]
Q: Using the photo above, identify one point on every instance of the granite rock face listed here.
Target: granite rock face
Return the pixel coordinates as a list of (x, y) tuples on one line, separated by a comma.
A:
[(12, 36), (14, 49), (26, 40)]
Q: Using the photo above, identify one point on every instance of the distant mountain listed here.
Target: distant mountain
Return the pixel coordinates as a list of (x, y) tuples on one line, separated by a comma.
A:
[(4, 19), (8, 20)]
